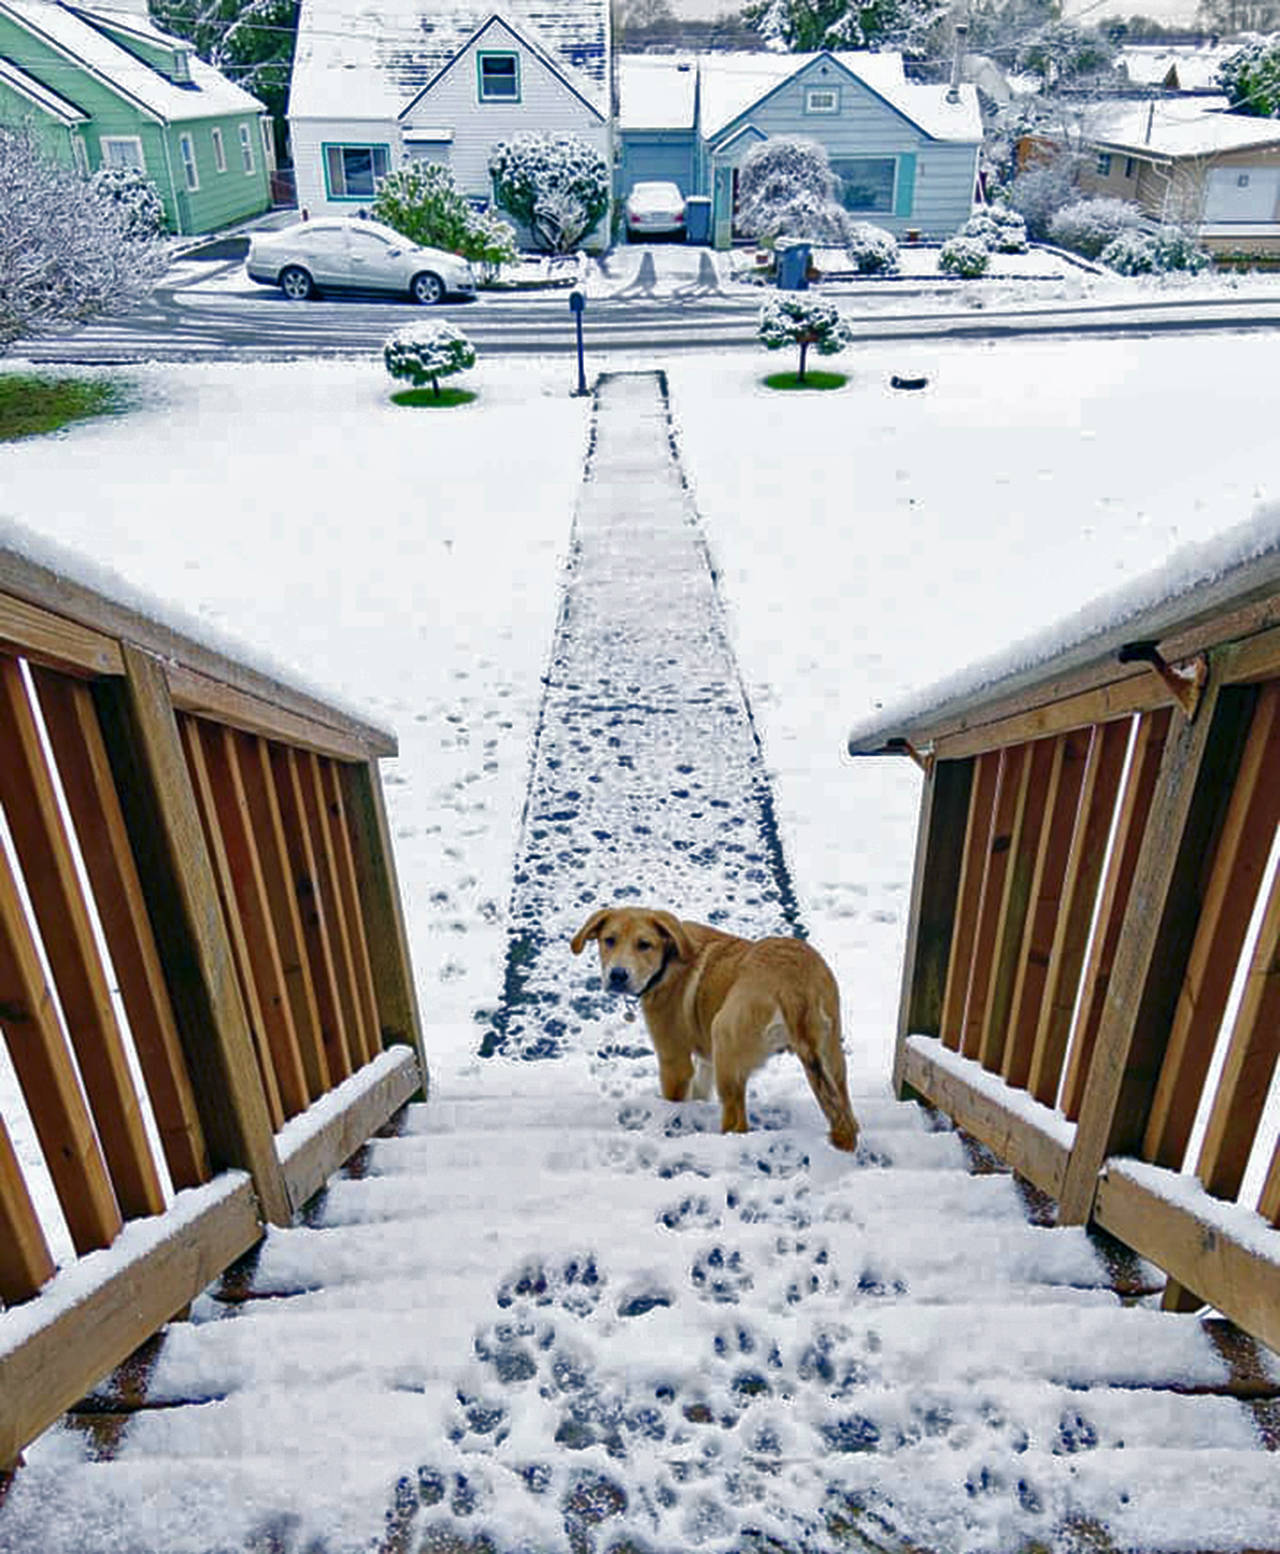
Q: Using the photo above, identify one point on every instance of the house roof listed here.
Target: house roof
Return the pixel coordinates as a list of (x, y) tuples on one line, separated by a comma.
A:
[(43, 97), (369, 59), (72, 32), (656, 91), (1177, 127), (1197, 68)]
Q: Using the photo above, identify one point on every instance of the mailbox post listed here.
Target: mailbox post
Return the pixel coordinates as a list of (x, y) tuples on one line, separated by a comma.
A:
[(577, 306)]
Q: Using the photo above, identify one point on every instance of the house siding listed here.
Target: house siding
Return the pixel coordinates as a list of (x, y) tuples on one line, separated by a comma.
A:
[(50, 134), (226, 197), (309, 138)]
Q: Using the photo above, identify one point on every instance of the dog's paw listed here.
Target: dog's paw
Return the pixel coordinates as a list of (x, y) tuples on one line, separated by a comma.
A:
[(693, 1213), (720, 1276)]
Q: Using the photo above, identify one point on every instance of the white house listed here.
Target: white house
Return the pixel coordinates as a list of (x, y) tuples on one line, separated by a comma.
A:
[(378, 83)]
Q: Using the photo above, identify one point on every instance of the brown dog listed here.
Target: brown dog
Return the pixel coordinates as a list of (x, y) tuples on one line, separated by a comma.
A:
[(719, 1005)]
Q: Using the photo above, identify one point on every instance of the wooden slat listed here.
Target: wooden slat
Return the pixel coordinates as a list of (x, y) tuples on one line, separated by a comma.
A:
[(1024, 848), (286, 770), (218, 702), (1238, 864), (1062, 798), (254, 907), (1196, 775), (48, 867), (317, 812), (207, 804), (79, 1340), (1121, 698), (47, 638), (359, 1108), (1269, 1202), (72, 725), (1130, 829), (398, 1015), (1249, 1064), (25, 1260), (167, 836), (253, 760), (977, 843), (352, 906), (1103, 770), (1011, 794), (992, 1112), (1152, 1212), (42, 1059)]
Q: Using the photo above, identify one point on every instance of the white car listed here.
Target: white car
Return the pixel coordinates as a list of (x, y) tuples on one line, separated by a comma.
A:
[(340, 253), (654, 210)]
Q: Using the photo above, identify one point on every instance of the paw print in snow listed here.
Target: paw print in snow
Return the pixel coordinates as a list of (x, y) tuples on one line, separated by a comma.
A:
[(575, 1284), (681, 1165), (512, 1348), (818, 1278), (692, 1213), (478, 1416), (780, 1158), (720, 1276), (633, 1117)]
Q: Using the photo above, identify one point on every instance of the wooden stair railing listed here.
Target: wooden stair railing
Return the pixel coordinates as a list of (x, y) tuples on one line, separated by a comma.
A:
[(206, 998), (1092, 974)]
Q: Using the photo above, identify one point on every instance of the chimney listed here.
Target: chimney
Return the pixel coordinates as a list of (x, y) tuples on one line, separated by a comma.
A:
[(957, 63)]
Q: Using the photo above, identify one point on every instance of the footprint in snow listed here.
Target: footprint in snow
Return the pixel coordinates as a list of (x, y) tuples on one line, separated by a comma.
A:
[(780, 1158), (575, 1284), (692, 1213), (720, 1276)]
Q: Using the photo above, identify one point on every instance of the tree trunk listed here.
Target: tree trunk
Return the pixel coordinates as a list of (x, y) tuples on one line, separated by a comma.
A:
[(804, 351), (435, 384)]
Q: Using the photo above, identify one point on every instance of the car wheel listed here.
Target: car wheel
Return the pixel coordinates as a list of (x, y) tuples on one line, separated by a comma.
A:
[(296, 284), (427, 289)]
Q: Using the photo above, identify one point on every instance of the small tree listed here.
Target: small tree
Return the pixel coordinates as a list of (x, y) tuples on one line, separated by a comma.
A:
[(491, 243), (1251, 78), (67, 253), (806, 322), (556, 185), (1040, 190), (135, 196), (424, 353), (423, 203), (805, 26)]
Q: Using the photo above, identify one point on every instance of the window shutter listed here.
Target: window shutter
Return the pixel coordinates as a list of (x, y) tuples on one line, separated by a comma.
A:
[(905, 197)]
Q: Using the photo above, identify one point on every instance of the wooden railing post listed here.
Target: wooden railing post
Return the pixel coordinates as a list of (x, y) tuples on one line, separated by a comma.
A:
[(1195, 777), (940, 846), (151, 776)]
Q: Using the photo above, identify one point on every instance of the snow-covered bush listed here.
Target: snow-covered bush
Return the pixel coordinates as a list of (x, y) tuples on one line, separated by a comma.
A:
[(873, 250), (1251, 78), (557, 185), (1002, 230), (135, 197), (425, 353), (1039, 191), (423, 202), (804, 322), (967, 257), (491, 243), (1087, 226), (786, 189), (1154, 253), (66, 254)]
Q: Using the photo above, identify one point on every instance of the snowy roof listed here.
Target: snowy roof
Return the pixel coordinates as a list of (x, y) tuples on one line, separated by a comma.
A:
[(368, 59), (72, 33), (656, 90), (1196, 68), (1175, 127), (39, 94), (1197, 582)]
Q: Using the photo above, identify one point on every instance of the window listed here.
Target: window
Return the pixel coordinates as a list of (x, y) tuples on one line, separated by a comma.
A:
[(122, 151), (822, 99), (268, 142), (187, 151), (352, 172), (1130, 167), (499, 78), (181, 67), (1242, 180), (1104, 164), (866, 183), (219, 151), (246, 148)]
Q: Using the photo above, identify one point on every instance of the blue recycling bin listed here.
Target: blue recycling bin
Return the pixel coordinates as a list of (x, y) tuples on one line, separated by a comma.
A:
[(793, 265), (697, 219)]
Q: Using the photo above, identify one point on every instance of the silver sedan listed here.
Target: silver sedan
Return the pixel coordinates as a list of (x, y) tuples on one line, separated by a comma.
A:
[(336, 254)]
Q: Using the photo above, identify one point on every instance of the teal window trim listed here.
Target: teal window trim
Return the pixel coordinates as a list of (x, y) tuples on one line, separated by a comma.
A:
[(904, 188), (348, 145), (497, 97)]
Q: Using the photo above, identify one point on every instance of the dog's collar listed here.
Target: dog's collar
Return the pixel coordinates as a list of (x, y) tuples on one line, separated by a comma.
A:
[(658, 975)]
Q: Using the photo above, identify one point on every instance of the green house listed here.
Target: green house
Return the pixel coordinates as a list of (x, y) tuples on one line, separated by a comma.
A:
[(100, 86)]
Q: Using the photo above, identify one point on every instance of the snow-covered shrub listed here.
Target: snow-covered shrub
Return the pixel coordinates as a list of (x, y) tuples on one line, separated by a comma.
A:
[(966, 257), (1039, 191), (491, 243), (135, 198), (1087, 226), (425, 353), (873, 250), (423, 202), (805, 322), (556, 184), (1154, 253), (1002, 230), (66, 254), (786, 189), (1251, 78)]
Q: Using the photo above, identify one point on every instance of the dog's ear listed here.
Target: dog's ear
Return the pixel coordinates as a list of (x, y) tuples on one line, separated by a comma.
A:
[(670, 927), (589, 930)]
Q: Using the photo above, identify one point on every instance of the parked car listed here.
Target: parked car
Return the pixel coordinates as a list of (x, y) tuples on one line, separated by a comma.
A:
[(347, 254), (654, 210)]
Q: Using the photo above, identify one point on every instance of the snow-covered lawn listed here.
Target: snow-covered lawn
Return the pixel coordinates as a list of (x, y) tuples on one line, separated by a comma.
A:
[(866, 541)]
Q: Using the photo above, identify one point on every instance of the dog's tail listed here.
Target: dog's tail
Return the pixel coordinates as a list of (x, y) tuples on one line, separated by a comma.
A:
[(821, 1051)]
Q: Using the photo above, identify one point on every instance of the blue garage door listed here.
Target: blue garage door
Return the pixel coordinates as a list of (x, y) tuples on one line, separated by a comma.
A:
[(654, 158)]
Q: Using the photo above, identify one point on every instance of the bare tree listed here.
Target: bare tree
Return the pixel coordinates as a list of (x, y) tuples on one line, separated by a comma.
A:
[(67, 252)]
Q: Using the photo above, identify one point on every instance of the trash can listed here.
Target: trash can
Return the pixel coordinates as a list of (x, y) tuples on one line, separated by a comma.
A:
[(793, 265), (697, 219)]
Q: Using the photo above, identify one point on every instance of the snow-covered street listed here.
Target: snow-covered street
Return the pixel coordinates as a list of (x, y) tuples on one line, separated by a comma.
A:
[(555, 1311)]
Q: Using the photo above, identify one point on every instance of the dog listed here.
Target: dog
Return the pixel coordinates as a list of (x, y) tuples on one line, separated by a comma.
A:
[(718, 1006)]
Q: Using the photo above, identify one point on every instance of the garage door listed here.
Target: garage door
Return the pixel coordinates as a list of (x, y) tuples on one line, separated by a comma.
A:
[(656, 161), (1242, 194)]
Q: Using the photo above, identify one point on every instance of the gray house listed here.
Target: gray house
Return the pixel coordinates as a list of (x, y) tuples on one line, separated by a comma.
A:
[(906, 154)]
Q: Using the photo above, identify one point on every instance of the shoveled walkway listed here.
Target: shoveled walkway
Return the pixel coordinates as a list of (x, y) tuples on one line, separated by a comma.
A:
[(551, 1312)]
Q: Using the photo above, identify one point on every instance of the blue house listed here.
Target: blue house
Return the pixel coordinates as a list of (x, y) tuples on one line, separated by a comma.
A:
[(906, 154)]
